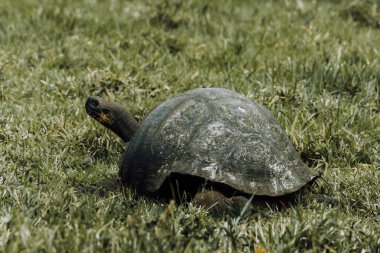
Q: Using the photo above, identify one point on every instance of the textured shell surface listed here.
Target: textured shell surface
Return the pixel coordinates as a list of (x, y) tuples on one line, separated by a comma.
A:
[(219, 135)]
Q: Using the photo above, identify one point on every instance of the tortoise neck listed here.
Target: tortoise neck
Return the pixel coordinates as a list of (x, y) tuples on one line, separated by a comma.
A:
[(124, 125)]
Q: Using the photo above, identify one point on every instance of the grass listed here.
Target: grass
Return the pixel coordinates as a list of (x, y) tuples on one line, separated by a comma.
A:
[(314, 64)]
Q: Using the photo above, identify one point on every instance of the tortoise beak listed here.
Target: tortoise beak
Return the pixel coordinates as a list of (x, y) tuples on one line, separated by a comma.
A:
[(92, 105)]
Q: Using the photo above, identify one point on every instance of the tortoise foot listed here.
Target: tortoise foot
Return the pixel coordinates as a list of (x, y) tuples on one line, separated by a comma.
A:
[(217, 204)]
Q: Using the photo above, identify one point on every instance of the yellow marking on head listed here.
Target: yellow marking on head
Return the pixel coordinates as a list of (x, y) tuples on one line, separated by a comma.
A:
[(106, 118)]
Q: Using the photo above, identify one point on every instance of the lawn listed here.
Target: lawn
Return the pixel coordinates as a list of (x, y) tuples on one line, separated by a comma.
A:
[(314, 64)]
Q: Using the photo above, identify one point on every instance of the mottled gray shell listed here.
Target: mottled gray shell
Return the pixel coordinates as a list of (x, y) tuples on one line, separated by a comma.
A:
[(219, 135)]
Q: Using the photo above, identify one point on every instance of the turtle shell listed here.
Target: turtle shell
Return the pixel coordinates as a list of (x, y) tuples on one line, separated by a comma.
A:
[(219, 135)]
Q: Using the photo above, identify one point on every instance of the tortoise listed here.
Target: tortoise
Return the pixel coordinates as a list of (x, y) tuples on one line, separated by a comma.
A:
[(213, 146)]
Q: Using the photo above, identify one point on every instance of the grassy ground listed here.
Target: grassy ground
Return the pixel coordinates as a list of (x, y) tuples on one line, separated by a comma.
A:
[(314, 64)]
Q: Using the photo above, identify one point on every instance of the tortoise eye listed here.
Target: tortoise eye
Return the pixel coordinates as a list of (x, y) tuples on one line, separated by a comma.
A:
[(106, 111)]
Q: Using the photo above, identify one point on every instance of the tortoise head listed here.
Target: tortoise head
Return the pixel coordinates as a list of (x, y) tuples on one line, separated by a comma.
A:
[(113, 116)]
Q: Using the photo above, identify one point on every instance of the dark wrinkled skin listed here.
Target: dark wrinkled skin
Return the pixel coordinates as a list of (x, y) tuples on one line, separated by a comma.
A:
[(233, 145)]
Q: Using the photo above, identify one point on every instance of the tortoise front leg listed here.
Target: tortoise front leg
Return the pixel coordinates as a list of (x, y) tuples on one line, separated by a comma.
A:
[(217, 204)]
